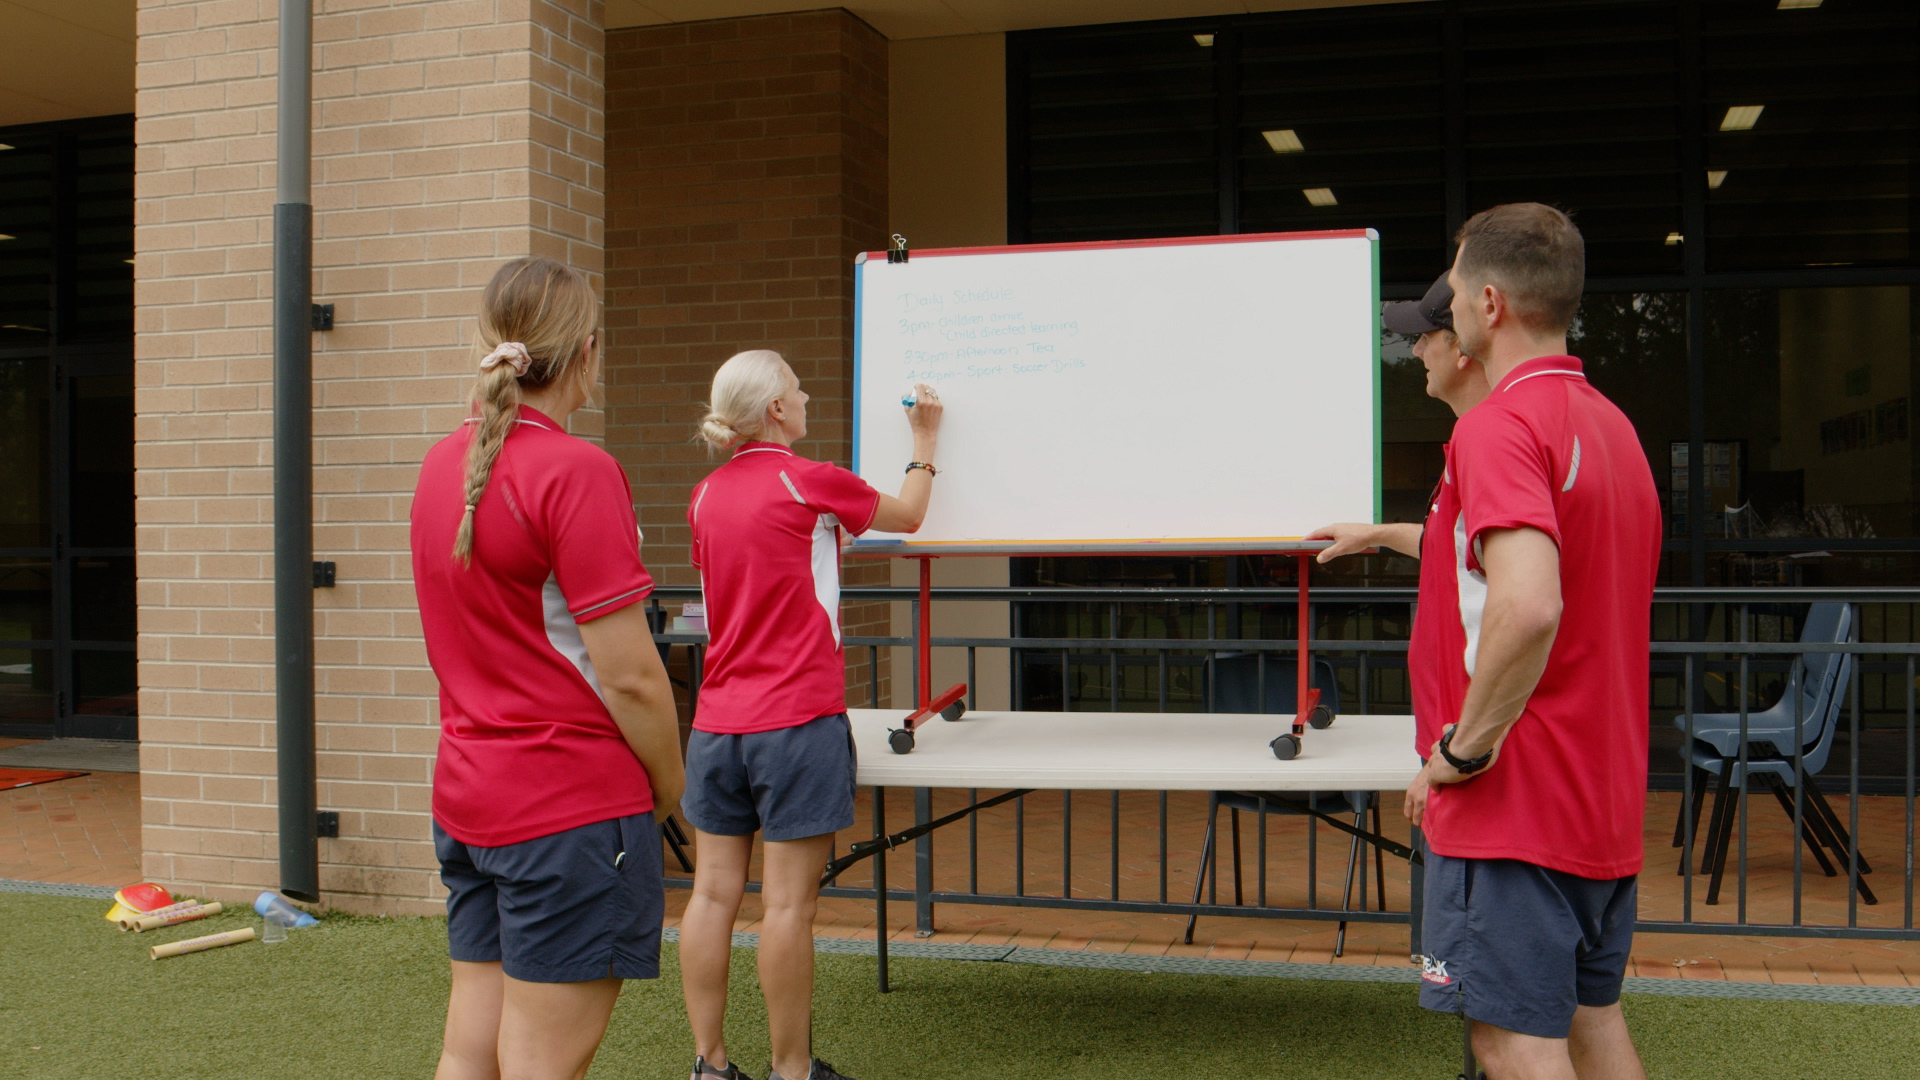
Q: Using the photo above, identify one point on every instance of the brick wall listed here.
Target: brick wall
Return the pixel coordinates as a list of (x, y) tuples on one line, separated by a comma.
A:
[(747, 165), (449, 136)]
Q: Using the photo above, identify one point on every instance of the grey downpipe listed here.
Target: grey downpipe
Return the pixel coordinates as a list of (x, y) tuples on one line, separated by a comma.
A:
[(293, 459)]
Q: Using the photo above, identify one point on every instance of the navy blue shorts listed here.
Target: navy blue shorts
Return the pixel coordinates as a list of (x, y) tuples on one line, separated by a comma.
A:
[(787, 784), (575, 906), (1518, 946)]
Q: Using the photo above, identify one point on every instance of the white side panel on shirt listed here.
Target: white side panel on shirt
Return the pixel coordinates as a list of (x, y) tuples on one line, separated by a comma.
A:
[(826, 569), (564, 634), (1473, 592)]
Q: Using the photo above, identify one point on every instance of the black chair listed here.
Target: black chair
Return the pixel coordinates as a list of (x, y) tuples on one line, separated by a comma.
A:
[(1235, 681)]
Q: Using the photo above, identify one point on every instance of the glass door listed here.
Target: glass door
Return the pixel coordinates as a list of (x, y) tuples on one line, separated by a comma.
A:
[(67, 604)]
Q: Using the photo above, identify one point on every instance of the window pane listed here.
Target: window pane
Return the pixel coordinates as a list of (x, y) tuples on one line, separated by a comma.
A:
[(1823, 173), (26, 685), (1811, 389), (106, 683), (1120, 137), (1363, 101), (101, 303), (103, 602), (1576, 106), (1634, 349), (26, 258), (25, 509), (26, 600), (102, 461)]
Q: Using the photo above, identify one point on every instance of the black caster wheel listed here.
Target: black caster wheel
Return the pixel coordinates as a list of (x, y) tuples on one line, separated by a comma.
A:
[(1286, 747), (1321, 719), (901, 740), (953, 712)]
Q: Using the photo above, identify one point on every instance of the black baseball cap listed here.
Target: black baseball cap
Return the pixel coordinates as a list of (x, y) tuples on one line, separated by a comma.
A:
[(1433, 311)]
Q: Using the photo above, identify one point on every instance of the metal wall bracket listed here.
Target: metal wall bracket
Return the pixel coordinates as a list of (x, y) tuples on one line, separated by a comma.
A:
[(327, 823), (323, 316), (323, 575)]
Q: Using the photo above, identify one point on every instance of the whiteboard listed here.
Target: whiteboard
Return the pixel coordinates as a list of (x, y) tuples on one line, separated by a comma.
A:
[(1210, 393)]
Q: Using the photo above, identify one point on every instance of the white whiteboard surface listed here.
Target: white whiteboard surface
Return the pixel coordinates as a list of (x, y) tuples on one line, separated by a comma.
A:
[(1215, 393)]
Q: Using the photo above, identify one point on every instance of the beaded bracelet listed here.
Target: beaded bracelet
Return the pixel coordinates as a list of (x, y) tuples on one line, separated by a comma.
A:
[(927, 465)]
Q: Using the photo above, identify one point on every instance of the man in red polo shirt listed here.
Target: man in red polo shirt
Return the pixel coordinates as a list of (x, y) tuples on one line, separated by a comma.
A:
[(1529, 668)]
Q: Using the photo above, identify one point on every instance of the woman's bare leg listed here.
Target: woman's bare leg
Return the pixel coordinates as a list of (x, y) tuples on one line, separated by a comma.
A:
[(471, 1049), (706, 937), (791, 892), (550, 1031)]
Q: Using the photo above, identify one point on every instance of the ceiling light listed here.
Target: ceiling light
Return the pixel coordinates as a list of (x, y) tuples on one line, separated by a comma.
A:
[(1716, 177), (1674, 239), (1741, 117), (1320, 196), (1794, 5), (1203, 39), (129, 262), (1283, 141), (5, 236), (6, 146)]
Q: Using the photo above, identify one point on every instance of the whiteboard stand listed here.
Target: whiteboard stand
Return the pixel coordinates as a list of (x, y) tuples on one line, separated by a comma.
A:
[(1286, 746)]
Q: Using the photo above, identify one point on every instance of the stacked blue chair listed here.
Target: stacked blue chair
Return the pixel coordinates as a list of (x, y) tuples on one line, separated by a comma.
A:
[(1804, 720), (1236, 683)]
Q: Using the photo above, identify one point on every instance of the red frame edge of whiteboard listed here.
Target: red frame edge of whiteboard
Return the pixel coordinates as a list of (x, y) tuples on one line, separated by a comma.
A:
[(1166, 241)]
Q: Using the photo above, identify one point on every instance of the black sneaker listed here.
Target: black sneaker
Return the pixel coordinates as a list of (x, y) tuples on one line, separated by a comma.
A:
[(820, 1070), (731, 1072)]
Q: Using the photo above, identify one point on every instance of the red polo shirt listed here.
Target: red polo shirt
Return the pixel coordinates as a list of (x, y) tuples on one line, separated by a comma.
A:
[(527, 747), (766, 541), (1545, 451)]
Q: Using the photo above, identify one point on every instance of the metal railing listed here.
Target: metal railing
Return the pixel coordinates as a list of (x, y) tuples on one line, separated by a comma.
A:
[(1770, 895)]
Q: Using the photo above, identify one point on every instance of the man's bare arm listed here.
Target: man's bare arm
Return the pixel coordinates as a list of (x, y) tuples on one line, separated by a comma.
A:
[(1349, 537)]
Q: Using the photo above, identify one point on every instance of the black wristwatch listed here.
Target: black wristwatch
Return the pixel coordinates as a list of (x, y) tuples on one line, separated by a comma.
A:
[(1464, 766)]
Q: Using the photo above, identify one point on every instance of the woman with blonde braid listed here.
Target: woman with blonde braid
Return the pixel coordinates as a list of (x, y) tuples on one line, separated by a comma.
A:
[(559, 742)]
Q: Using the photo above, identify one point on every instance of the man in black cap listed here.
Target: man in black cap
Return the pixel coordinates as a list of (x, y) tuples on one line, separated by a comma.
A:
[(1452, 377)]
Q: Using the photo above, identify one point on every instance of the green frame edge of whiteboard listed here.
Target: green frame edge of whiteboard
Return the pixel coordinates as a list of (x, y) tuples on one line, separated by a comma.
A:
[(1379, 427)]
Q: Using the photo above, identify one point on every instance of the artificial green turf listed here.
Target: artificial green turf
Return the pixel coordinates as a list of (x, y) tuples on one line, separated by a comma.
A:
[(364, 997)]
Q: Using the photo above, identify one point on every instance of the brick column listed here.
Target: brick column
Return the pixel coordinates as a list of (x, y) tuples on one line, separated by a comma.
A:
[(448, 137), (747, 165)]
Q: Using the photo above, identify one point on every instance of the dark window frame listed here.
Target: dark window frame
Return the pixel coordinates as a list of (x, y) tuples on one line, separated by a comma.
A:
[(1695, 279)]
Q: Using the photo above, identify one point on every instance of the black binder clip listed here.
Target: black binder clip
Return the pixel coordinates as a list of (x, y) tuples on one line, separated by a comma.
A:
[(898, 252)]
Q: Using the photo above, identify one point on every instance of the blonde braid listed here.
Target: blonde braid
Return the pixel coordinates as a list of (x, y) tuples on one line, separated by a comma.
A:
[(498, 396), (545, 312)]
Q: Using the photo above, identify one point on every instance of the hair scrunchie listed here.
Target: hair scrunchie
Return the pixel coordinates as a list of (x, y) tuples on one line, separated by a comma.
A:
[(509, 352)]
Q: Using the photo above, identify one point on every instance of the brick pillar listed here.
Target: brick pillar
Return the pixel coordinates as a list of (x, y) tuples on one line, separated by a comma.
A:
[(746, 166), (448, 137)]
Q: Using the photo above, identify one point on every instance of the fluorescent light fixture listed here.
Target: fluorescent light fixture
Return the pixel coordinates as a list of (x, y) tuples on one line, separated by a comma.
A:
[(1716, 177), (129, 262), (1741, 118), (1283, 141), (1320, 196), (5, 236), (1674, 239), (1204, 39), (6, 146), (1797, 5)]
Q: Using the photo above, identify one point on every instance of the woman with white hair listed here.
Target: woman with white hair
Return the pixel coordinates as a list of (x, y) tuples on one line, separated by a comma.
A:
[(771, 750)]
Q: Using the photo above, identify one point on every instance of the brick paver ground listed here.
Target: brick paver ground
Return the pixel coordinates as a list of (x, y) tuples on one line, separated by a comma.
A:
[(87, 831)]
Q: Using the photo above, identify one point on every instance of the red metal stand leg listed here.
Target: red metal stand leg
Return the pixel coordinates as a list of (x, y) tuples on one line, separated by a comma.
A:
[(924, 692), (1304, 694)]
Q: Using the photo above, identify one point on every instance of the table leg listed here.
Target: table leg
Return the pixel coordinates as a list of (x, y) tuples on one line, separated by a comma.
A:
[(880, 881), (923, 865)]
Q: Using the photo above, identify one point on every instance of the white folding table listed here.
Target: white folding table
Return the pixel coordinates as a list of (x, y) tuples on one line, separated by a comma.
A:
[(1023, 751)]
